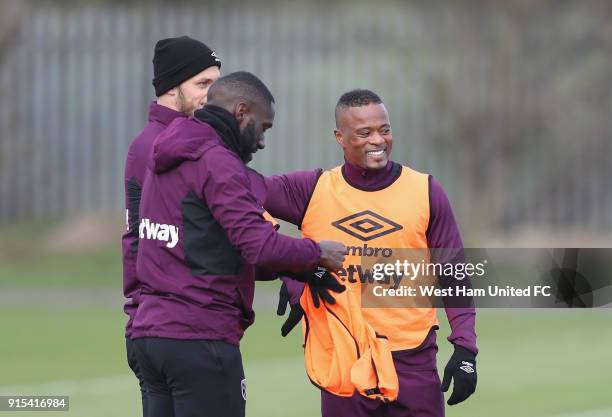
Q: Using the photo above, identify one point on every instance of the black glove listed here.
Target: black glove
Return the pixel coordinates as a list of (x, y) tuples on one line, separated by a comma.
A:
[(462, 368), (321, 282), (295, 315)]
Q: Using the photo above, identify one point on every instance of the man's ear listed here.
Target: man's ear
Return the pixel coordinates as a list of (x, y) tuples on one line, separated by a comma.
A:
[(339, 137), (172, 92), (240, 111)]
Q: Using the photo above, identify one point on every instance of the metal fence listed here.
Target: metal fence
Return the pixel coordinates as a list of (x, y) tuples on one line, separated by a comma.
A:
[(508, 106)]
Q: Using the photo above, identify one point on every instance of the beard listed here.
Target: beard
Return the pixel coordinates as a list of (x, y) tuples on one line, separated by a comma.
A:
[(248, 140), (182, 105)]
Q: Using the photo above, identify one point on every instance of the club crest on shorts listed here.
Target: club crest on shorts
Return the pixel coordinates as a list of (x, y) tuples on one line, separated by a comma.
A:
[(243, 388)]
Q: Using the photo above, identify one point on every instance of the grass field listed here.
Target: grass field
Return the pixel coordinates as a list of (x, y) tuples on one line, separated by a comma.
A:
[(532, 363)]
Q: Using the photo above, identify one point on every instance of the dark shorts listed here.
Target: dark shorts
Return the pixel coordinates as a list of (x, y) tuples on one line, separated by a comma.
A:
[(133, 363), (191, 378), (419, 391)]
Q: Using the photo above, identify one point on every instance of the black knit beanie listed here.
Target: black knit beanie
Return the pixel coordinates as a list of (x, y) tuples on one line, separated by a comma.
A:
[(177, 60)]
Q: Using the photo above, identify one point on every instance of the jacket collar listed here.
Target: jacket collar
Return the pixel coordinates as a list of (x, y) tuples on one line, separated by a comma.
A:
[(162, 114)]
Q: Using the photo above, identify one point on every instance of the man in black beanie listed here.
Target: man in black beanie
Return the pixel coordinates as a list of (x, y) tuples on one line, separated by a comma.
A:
[(184, 69)]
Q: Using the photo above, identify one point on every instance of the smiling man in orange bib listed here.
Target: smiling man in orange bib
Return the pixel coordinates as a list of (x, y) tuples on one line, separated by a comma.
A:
[(371, 203)]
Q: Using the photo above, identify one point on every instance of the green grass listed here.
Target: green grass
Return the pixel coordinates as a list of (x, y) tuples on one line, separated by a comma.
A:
[(27, 261), (43, 269), (535, 363), (532, 363)]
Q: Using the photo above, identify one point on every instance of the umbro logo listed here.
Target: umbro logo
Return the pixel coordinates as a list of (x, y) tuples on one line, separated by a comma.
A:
[(366, 225), (467, 367)]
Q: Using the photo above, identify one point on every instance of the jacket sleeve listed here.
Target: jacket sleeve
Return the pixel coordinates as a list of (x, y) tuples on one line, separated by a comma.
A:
[(288, 195), (287, 198), (443, 233), (226, 190), (129, 241)]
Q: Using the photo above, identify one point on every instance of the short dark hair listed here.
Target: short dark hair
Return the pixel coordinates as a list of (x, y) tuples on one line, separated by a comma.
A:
[(240, 84), (356, 98)]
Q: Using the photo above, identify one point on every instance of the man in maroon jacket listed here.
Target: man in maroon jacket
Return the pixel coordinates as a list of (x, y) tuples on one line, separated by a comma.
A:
[(202, 236), (184, 69)]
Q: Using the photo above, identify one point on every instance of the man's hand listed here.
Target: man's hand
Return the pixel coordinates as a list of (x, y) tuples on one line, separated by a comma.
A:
[(332, 255), (462, 368)]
